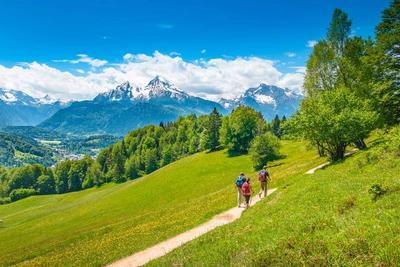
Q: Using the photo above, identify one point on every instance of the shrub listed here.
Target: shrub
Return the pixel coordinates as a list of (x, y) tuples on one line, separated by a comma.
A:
[(21, 193)]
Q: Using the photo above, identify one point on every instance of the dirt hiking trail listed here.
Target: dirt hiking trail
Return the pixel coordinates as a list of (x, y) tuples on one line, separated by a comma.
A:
[(142, 257)]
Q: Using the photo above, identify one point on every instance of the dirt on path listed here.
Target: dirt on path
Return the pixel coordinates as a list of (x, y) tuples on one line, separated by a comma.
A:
[(142, 257)]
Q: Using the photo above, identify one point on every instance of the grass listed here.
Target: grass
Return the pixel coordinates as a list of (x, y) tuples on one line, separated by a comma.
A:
[(325, 219), (98, 226), (329, 218)]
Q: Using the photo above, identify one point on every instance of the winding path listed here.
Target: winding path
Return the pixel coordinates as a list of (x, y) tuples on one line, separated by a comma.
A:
[(142, 257)]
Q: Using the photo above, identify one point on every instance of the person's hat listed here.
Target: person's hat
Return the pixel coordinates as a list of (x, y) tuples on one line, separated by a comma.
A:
[(264, 167), (242, 173)]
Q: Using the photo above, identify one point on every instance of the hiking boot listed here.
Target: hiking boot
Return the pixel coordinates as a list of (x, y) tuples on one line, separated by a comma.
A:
[(259, 195)]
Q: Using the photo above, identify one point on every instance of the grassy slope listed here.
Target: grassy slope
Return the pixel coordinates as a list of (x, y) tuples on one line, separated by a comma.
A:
[(324, 219), (98, 226)]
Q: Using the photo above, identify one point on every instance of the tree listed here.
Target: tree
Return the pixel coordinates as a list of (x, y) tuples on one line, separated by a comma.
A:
[(93, 176), (213, 126), (386, 63), (333, 120), (46, 185), (337, 62), (239, 129), (264, 148), (61, 176)]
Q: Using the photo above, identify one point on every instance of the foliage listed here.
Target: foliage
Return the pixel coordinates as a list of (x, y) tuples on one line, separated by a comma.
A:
[(264, 148), (239, 129), (213, 126), (21, 193), (385, 60), (377, 190), (333, 120)]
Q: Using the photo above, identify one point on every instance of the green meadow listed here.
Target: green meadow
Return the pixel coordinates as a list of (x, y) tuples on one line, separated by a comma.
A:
[(325, 219)]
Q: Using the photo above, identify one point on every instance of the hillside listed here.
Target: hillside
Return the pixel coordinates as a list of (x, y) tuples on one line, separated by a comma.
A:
[(320, 217)]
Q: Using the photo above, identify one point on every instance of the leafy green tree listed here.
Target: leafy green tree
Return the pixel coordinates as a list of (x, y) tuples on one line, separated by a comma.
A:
[(239, 129), (213, 126), (264, 148), (386, 63), (46, 184), (75, 177), (93, 176), (61, 176), (333, 120), (151, 160), (131, 170), (167, 155)]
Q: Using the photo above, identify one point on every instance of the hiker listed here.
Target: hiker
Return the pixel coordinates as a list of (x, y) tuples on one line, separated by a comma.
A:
[(263, 177), (247, 190), (239, 182)]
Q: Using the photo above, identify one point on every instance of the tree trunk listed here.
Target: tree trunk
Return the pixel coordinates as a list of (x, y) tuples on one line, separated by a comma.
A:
[(360, 144)]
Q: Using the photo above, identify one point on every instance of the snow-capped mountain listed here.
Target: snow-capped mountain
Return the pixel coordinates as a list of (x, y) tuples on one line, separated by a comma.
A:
[(159, 91), (268, 99), (21, 109)]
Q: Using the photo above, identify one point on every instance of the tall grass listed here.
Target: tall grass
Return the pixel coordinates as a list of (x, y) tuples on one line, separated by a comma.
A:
[(329, 218), (100, 225)]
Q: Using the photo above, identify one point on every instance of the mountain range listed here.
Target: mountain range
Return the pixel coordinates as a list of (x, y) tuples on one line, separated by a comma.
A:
[(20, 109), (126, 108)]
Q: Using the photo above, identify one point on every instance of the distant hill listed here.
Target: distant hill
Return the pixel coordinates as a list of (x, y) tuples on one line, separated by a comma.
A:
[(15, 151)]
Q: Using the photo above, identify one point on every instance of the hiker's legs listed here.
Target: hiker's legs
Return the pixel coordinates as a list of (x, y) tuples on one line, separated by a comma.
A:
[(247, 199), (266, 189), (239, 198), (262, 189)]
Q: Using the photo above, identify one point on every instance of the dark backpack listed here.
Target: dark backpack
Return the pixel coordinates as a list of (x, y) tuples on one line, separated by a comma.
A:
[(240, 181)]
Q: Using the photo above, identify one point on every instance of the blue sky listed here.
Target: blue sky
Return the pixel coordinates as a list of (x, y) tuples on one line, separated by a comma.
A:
[(213, 49)]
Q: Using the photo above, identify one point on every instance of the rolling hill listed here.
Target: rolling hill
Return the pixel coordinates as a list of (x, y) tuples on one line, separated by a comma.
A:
[(328, 217)]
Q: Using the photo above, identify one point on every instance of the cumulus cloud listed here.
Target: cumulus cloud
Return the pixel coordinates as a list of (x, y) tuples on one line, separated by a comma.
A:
[(290, 54), (174, 54), (211, 79), (311, 43), (84, 58)]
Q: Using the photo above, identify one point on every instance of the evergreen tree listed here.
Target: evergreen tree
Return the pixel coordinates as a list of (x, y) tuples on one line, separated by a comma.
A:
[(213, 126), (386, 63)]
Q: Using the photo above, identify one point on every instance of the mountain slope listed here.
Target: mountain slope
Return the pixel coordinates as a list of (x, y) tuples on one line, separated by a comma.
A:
[(21, 109), (161, 92), (268, 99), (320, 218)]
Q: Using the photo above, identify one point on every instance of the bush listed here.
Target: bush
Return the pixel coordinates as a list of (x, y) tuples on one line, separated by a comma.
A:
[(4, 200), (21, 193)]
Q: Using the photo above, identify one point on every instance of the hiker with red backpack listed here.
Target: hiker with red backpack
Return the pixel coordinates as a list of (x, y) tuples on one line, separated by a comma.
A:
[(239, 182), (263, 177), (247, 190)]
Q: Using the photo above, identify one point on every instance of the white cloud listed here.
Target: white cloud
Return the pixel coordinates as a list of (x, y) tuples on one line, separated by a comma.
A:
[(203, 51), (290, 54), (165, 26), (174, 54), (84, 58), (210, 79), (80, 71), (311, 43)]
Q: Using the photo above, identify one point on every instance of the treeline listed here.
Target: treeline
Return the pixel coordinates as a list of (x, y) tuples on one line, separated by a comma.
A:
[(145, 150)]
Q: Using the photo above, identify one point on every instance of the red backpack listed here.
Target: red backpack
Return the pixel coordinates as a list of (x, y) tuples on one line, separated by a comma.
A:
[(246, 188), (262, 176)]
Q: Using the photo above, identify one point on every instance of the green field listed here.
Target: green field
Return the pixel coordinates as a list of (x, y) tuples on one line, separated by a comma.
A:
[(327, 217)]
